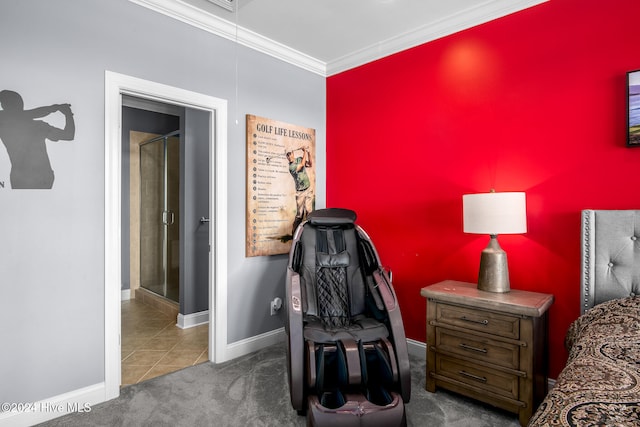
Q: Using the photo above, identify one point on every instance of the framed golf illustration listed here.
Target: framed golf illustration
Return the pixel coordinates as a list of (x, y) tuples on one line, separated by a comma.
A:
[(281, 183)]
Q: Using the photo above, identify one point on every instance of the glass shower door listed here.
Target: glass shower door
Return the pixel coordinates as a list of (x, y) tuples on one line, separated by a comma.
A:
[(159, 216)]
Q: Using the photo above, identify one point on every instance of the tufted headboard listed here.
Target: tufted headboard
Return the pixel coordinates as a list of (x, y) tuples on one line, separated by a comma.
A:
[(610, 256)]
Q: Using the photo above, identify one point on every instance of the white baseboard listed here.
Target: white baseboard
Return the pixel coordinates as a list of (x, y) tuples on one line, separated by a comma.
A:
[(417, 348), (125, 295), (258, 342), (80, 400), (194, 319)]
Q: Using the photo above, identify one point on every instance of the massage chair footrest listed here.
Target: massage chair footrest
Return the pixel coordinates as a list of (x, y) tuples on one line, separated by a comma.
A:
[(357, 411)]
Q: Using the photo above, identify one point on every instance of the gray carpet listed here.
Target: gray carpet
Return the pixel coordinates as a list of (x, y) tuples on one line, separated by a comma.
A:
[(253, 391)]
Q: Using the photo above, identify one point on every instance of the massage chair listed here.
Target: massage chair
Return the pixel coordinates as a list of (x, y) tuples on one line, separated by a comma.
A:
[(346, 350)]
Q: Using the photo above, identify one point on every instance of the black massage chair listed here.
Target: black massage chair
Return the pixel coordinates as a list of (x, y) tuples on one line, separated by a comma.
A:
[(347, 352)]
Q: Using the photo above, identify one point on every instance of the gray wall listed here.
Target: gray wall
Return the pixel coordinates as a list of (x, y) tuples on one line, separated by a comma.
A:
[(52, 251), (194, 236)]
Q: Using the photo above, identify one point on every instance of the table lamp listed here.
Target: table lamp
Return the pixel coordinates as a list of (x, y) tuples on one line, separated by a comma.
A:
[(494, 213)]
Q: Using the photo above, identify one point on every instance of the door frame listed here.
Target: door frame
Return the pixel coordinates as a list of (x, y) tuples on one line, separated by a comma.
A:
[(117, 85)]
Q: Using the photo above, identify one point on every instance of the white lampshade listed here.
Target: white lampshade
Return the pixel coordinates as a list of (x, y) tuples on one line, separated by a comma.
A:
[(495, 213)]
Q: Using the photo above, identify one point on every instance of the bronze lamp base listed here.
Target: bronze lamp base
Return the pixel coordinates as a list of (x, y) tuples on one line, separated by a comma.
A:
[(494, 273)]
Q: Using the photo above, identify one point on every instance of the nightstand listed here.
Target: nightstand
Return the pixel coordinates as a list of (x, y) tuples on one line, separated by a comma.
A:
[(488, 346)]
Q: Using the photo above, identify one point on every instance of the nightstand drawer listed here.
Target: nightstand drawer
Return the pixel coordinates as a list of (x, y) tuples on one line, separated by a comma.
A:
[(491, 380), (479, 320), (490, 351)]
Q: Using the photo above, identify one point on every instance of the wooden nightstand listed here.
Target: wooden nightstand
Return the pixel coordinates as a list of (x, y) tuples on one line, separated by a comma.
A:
[(488, 346)]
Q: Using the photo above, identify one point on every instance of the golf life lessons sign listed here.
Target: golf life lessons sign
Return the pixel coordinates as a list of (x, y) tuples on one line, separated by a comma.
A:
[(280, 183)]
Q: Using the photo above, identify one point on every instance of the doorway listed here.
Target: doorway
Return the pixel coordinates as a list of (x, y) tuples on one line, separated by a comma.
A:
[(117, 85), (165, 175)]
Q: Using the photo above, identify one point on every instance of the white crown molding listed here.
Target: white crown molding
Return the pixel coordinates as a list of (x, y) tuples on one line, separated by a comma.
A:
[(484, 12), (213, 24), (462, 20)]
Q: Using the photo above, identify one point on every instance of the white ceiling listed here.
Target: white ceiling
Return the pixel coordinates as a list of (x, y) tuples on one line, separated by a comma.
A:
[(330, 36)]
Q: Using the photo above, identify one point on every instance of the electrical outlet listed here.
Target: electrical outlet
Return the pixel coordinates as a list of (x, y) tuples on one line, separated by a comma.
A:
[(275, 305)]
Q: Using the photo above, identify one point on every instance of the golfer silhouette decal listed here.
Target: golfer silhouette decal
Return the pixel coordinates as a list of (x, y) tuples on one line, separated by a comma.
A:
[(25, 137)]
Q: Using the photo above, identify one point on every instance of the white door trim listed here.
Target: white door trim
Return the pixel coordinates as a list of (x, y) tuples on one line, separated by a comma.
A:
[(115, 86)]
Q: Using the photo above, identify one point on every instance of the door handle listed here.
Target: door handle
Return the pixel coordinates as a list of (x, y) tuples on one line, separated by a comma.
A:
[(168, 217), (204, 220)]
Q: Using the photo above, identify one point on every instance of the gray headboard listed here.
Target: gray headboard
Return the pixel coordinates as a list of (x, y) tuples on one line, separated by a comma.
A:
[(610, 256)]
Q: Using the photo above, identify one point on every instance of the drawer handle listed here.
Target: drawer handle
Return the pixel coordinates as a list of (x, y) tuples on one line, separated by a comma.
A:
[(473, 377), (472, 348), (482, 322)]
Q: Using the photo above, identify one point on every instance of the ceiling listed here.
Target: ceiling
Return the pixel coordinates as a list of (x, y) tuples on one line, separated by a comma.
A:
[(330, 36)]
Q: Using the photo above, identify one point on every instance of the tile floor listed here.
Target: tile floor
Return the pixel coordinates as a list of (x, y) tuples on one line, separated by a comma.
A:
[(152, 344)]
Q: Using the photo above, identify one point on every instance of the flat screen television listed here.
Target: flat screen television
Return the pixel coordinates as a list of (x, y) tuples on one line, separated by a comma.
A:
[(633, 108)]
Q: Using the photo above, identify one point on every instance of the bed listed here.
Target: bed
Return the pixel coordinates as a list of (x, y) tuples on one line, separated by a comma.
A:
[(600, 384)]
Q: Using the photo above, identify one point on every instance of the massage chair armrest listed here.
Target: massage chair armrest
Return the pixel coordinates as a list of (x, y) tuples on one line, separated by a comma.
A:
[(390, 301), (294, 328)]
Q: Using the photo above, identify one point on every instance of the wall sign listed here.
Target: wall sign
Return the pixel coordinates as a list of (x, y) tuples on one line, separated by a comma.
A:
[(280, 183)]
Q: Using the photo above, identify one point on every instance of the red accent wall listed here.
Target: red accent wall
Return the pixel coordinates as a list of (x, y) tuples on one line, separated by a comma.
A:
[(533, 102)]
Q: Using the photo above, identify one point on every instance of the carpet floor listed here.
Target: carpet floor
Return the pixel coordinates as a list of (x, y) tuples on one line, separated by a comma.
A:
[(253, 391)]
